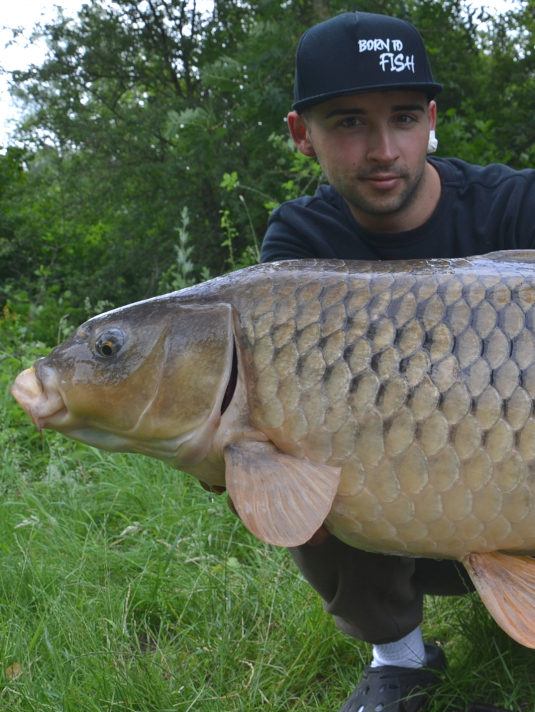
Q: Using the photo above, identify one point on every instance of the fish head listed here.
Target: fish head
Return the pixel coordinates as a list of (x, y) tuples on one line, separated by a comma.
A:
[(150, 377)]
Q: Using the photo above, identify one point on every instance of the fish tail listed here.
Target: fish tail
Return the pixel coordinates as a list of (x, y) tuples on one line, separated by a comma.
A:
[(506, 585)]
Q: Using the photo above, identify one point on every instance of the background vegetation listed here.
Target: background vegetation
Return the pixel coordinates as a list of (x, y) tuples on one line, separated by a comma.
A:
[(148, 112), (152, 151)]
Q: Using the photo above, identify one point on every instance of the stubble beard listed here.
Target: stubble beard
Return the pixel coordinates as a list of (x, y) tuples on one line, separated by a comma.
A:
[(380, 205)]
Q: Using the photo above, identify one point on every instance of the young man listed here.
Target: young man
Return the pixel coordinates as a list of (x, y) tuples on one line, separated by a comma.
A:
[(364, 107)]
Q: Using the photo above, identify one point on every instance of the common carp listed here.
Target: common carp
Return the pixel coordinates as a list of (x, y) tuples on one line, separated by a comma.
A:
[(390, 402)]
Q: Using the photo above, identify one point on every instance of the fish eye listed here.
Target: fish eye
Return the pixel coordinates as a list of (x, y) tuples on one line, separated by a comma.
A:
[(109, 343)]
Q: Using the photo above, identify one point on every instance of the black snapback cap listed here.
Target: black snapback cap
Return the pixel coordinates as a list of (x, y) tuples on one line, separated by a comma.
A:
[(359, 52)]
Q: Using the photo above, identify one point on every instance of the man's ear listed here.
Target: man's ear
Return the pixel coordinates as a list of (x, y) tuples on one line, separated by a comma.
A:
[(297, 125), (432, 113)]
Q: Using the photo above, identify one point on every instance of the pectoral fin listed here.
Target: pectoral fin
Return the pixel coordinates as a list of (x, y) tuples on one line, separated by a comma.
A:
[(506, 585), (281, 499)]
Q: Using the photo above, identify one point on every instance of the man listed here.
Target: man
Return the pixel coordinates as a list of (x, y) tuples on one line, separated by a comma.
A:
[(364, 107)]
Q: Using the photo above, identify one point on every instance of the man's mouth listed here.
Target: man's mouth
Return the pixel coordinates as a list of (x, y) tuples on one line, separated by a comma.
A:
[(384, 181)]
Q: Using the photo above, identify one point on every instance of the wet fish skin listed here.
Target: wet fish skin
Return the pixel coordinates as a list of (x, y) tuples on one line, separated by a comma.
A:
[(392, 400), (418, 381)]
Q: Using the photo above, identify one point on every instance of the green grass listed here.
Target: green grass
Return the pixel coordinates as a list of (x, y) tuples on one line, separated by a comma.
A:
[(126, 587)]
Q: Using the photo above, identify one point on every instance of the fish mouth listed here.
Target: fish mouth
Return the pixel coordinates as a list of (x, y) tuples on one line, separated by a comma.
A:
[(44, 405)]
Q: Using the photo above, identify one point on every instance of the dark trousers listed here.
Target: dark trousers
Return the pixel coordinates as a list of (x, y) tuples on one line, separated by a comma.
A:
[(374, 597)]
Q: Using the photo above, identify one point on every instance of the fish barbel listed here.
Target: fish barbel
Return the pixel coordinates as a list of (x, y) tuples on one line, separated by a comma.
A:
[(391, 402)]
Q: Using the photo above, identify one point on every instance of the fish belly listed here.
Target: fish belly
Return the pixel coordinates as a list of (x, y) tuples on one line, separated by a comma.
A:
[(418, 381)]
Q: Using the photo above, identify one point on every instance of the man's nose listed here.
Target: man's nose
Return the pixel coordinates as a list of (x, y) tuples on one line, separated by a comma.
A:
[(382, 147)]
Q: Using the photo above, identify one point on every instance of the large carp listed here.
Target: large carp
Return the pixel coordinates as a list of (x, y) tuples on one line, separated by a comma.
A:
[(391, 402)]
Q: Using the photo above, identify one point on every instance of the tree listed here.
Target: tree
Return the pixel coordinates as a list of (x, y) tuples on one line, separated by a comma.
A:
[(145, 108)]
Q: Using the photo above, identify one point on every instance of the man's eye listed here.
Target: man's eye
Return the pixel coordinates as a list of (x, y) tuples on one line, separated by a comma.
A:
[(405, 119), (350, 122)]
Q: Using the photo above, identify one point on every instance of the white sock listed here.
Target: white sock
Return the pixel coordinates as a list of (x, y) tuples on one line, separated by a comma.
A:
[(408, 652)]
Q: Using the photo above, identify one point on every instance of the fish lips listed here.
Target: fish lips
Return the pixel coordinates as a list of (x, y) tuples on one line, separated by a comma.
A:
[(44, 405)]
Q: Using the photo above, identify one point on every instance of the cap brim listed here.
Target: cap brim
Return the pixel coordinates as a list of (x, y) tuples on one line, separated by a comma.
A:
[(430, 89)]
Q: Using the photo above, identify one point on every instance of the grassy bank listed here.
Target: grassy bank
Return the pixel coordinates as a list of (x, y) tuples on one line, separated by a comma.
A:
[(125, 587)]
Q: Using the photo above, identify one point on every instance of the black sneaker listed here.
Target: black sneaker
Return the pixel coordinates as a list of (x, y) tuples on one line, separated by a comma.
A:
[(397, 689)]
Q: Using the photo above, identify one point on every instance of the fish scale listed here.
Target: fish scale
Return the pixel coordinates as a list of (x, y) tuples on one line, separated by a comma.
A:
[(420, 387)]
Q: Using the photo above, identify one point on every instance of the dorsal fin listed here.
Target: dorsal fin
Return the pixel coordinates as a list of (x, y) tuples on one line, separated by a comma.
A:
[(506, 585), (526, 256)]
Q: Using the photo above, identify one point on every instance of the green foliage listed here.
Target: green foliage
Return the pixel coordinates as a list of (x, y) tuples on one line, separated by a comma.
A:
[(251, 253), (142, 110), (181, 273), (473, 138)]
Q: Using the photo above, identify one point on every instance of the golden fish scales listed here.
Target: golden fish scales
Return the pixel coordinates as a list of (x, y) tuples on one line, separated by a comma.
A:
[(419, 385)]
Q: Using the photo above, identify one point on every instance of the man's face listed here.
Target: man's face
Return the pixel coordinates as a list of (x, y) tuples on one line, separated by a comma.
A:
[(372, 148)]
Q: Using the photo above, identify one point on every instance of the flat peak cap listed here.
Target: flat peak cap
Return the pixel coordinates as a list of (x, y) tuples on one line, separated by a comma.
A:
[(358, 52)]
